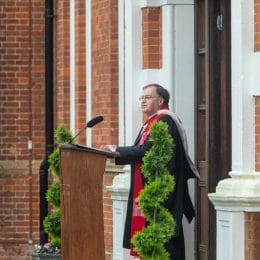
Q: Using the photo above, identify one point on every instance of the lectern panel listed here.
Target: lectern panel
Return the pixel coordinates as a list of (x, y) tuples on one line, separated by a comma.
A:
[(82, 224)]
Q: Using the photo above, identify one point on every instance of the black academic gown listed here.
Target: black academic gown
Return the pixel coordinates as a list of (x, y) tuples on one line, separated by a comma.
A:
[(179, 202)]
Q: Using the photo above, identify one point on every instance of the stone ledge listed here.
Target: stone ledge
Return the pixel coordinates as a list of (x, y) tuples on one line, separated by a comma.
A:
[(241, 192), (112, 168), (157, 3)]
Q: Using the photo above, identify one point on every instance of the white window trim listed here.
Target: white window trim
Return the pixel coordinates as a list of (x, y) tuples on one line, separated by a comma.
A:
[(72, 66)]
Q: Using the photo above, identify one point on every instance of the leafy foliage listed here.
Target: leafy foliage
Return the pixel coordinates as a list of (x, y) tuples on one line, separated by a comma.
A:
[(53, 194), (55, 242), (54, 161), (52, 223), (149, 243), (62, 136)]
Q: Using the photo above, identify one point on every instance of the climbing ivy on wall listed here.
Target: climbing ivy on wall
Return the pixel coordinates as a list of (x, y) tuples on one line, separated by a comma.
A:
[(149, 243)]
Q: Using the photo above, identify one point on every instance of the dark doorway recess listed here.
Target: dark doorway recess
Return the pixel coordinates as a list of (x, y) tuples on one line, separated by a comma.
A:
[(213, 113)]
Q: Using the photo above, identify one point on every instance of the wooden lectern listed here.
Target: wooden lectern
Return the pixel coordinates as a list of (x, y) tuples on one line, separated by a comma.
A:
[(82, 225)]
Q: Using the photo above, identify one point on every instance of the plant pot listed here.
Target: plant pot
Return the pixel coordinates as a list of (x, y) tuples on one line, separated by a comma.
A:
[(46, 256)]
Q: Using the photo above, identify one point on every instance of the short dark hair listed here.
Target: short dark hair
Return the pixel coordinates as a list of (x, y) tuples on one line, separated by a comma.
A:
[(161, 91)]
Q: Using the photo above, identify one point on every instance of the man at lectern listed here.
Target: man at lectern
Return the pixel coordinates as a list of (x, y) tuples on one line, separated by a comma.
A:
[(154, 104)]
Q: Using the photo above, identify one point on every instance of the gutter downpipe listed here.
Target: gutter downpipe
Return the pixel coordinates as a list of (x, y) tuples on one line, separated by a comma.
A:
[(49, 117)]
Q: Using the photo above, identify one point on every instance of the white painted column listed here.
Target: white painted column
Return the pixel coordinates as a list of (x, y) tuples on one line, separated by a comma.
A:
[(230, 235), (178, 62), (176, 74), (132, 69), (119, 193), (242, 42), (121, 73), (183, 92), (129, 42), (72, 65)]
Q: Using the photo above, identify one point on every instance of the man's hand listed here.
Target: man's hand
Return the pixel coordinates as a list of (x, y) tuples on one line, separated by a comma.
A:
[(108, 147)]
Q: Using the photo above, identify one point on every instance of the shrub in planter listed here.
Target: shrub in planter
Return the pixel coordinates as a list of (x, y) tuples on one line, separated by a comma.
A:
[(46, 252), (52, 223)]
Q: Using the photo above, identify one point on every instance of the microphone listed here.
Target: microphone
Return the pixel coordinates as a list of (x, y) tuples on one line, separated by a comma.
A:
[(90, 124), (94, 121)]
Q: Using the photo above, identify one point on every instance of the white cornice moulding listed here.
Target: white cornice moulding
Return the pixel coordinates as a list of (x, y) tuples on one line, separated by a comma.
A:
[(241, 192), (157, 3)]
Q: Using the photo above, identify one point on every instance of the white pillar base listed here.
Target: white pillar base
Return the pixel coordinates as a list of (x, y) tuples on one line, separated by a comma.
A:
[(119, 193), (233, 197), (230, 235)]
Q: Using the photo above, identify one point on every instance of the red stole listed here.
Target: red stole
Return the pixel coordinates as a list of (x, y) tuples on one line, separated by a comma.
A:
[(138, 222)]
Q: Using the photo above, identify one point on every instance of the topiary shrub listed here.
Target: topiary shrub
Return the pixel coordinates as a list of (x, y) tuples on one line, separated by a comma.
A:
[(149, 243), (52, 223)]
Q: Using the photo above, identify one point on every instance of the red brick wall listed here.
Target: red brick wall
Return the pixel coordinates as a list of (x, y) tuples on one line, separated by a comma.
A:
[(257, 133), (152, 37), (252, 236), (22, 105), (21, 120), (104, 79), (257, 25), (252, 220), (105, 90), (80, 76), (62, 63), (105, 70)]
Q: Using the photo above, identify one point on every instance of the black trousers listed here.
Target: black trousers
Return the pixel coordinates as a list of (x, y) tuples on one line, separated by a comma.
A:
[(176, 248)]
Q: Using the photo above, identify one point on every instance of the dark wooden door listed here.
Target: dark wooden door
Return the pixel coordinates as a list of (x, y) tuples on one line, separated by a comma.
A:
[(213, 113)]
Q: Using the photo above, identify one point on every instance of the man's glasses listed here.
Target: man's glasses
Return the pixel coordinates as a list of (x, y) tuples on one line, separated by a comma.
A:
[(148, 97)]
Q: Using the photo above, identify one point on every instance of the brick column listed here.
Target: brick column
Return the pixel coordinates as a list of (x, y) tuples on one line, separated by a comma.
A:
[(257, 133), (21, 124), (104, 91), (80, 69), (152, 37), (62, 63), (257, 25), (105, 70), (252, 235)]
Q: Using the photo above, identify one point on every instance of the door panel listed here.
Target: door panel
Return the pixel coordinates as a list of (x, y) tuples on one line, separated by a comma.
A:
[(213, 113), (202, 68)]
